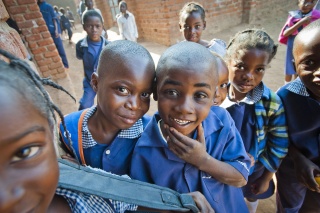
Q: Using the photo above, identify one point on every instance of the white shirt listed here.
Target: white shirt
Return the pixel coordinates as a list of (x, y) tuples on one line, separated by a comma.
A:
[(127, 27)]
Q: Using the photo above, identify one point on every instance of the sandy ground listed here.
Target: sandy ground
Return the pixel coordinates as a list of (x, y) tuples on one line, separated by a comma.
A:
[(274, 76)]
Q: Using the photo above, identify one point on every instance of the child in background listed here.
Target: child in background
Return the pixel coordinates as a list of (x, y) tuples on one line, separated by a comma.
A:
[(65, 24), (108, 132), (296, 21), (187, 146), (126, 23), (88, 50), (297, 190), (29, 171), (70, 16), (192, 23), (222, 88), (257, 111)]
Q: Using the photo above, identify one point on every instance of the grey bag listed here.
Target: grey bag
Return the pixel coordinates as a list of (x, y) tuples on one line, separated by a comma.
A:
[(109, 186)]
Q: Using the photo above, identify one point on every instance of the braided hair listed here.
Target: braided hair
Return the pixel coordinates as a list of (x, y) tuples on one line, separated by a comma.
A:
[(251, 39), (18, 75)]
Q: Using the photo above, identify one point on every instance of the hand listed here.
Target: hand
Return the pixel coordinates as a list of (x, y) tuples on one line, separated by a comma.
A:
[(305, 171), (260, 186), (57, 34), (201, 202), (69, 158), (188, 149), (306, 20), (251, 159)]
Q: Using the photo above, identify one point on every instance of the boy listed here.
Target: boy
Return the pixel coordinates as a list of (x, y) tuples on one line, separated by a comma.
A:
[(104, 135), (297, 190), (187, 146), (126, 23)]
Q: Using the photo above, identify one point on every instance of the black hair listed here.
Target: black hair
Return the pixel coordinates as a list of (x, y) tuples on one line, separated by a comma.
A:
[(62, 10), (123, 2), (191, 7), (252, 39), (18, 75), (91, 13)]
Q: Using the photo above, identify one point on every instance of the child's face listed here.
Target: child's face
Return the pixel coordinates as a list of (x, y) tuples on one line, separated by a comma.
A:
[(89, 4), (185, 95), (192, 26), (123, 8), (306, 5), (124, 91), (222, 88), (307, 63), (93, 27), (247, 68), (29, 170)]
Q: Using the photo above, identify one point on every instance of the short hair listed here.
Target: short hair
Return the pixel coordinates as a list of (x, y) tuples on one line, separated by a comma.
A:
[(119, 50), (186, 53), (62, 10), (90, 13), (252, 39), (220, 61), (123, 2), (304, 31), (191, 7)]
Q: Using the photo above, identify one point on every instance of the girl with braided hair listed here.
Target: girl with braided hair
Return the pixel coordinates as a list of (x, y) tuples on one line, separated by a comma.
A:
[(257, 111)]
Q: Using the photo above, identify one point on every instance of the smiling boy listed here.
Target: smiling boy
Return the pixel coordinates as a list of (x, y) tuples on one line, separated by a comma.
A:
[(189, 145)]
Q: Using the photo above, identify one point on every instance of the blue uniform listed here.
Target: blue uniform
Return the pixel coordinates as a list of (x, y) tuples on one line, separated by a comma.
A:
[(153, 162), (114, 157), (303, 115), (89, 53), (49, 16)]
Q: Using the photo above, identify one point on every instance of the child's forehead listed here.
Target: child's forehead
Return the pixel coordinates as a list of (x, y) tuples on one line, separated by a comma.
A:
[(307, 40)]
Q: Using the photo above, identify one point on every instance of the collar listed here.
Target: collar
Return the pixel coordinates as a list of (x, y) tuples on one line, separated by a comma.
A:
[(298, 14), (84, 42), (298, 87)]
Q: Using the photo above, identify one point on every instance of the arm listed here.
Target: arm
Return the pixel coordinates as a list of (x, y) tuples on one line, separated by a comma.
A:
[(194, 152), (305, 169), (304, 21)]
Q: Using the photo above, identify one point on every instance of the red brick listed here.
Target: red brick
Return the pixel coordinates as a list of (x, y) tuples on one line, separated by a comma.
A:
[(18, 9), (40, 21), (44, 68), (33, 7), (56, 58), (44, 62), (38, 57), (44, 42), (18, 18), (51, 47), (32, 45), (33, 15), (51, 54), (46, 34), (9, 3), (55, 65), (21, 2), (26, 24), (61, 70), (39, 50), (36, 37)]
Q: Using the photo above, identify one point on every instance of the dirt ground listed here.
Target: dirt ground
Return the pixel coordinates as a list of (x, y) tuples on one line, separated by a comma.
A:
[(274, 76)]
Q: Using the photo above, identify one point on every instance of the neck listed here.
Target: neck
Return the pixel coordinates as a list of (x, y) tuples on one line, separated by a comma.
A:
[(235, 95)]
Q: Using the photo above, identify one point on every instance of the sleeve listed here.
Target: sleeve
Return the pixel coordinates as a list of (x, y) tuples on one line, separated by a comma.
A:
[(120, 28), (52, 13), (234, 152), (277, 135), (79, 51), (283, 39)]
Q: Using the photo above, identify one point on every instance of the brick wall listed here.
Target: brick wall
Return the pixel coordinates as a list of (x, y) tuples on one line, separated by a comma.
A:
[(34, 29), (158, 20)]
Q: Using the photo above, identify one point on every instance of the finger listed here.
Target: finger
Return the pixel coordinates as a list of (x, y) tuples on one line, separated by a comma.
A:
[(178, 136), (201, 137)]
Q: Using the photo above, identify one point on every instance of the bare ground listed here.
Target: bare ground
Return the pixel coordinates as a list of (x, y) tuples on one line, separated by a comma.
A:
[(274, 76)]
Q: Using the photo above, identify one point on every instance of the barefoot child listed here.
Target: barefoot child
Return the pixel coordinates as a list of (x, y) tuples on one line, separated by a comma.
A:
[(297, 190), (29, 169), (88, 50), (187, 146), (104, 135), (257, 111), (192, 23), (296, 21)]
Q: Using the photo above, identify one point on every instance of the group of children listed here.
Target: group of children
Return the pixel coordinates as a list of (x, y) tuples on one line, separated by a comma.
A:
[(191, 143)]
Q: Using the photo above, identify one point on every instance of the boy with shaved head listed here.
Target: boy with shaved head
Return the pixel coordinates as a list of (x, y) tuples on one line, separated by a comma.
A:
[(190, 145), (104, 135), (297, 189)]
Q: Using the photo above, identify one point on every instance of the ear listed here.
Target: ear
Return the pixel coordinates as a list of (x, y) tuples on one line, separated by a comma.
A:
[(94, 81), (154, 90), (204, 25), (294, 65), (180, 27)]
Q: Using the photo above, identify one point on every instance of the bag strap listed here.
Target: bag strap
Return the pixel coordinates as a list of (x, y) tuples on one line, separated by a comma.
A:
[(110, 186)]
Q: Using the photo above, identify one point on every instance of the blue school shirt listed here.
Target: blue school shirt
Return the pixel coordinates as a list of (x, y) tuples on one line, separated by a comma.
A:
[(89, 52), (153, 162), (303, 115), (114, 157), (48, 14)]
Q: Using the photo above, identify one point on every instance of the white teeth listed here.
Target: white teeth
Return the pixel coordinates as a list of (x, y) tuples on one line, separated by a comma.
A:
[(181, 122)]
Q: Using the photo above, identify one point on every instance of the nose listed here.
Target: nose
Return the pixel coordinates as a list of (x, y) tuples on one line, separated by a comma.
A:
[(185, 106), (133, 103), (10, 194), (249, 76)]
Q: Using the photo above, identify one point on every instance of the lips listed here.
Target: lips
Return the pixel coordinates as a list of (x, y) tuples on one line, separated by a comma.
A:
[(129, 119), (181, 122)]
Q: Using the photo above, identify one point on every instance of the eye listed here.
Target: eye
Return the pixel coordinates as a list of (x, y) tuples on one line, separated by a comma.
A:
[(198, 27), (25, 153), (224, 85), (309, 62), (200, 95), (172, 93), (186, 27), (145, 95), (240, 67), (123, 90), (260, 69)]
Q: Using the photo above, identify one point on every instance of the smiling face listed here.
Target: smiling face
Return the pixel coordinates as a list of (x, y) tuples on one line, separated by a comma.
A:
[(185, 95), (222, 88), (124, 90), (192, 25), (29, 170), (93, 26), (306, 56), (246, 70), (306, 5)]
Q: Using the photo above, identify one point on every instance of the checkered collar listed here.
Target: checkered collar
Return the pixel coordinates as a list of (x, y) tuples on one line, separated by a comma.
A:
[(88, 141), (298, 87)]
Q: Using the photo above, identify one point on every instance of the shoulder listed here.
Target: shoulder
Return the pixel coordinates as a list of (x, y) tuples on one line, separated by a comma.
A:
[(269, 95), (217, 119)]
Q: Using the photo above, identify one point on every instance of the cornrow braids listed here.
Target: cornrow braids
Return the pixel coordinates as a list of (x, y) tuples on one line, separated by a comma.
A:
[(18, 75), (252, 39), (191, 7)]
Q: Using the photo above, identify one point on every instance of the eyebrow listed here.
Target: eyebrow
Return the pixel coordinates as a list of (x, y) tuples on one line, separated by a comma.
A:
[(25, 133), (177, 83)]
